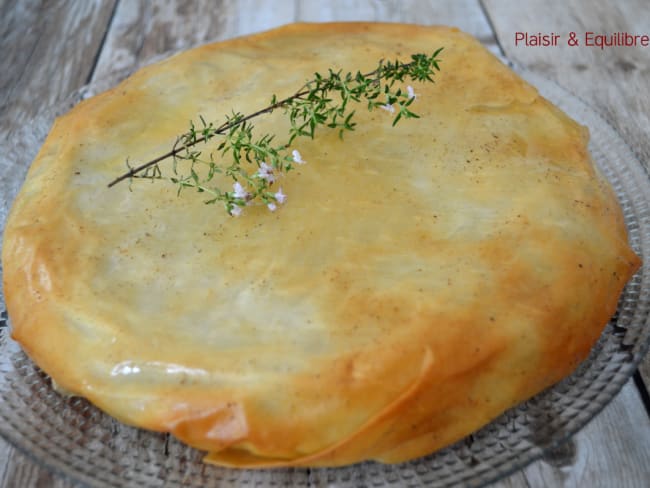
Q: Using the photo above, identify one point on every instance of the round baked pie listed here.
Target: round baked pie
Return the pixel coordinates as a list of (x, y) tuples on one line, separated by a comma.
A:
[(418, 281)]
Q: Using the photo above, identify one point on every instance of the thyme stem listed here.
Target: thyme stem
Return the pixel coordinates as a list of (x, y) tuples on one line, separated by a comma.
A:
[(307, 108), (225, 127)]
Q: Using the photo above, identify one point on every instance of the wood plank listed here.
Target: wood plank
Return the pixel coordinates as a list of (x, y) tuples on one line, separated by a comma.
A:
[(615, 81), (613, 450), (467, 15), (143, 30), (48, 50), (608, 79)]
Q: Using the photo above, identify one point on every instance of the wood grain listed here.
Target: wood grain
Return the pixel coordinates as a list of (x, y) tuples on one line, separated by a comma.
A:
[(613, 450), (464, 14), (50, 49), (615, 81), (143, 30)]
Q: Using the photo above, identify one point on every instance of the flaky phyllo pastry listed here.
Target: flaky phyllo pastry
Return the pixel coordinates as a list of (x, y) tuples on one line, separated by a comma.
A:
[(418, 281)]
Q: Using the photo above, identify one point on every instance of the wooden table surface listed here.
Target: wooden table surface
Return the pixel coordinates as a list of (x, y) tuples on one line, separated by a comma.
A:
[(50, 48)]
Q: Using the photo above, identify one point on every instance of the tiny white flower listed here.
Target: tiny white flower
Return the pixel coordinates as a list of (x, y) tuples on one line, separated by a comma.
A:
[(239, 191), (297, 158), (388, 108), (235, 211), (271, 206), (411, 92), (280, 197), (266, 172)]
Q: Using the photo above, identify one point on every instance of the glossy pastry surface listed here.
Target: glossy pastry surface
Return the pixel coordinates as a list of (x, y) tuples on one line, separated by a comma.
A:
[(419, 280)]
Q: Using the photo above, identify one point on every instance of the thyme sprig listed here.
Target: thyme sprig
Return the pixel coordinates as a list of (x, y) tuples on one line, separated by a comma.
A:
[(324, 100)]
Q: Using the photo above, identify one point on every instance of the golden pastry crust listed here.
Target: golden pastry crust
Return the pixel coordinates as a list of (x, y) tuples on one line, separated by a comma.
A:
[(419, 281)]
